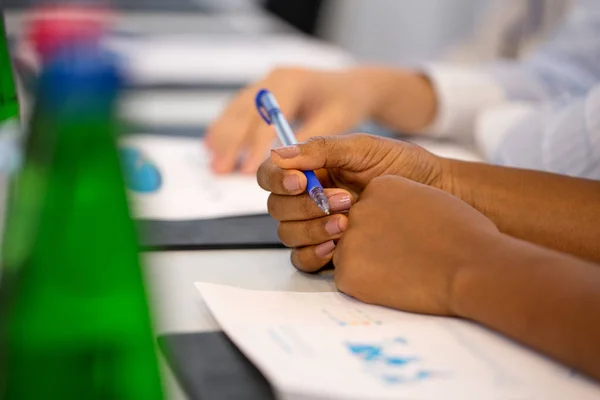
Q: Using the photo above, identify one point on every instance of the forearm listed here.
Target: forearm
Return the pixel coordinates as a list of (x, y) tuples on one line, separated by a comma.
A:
[(544, 299), (402, 100), (555, 211)]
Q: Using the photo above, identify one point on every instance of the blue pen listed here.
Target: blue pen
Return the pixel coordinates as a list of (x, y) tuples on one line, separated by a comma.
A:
[(269, 110)]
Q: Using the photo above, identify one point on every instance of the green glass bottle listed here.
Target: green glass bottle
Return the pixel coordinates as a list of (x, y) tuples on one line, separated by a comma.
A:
[(9, 105), (10, 138), (76, 321)]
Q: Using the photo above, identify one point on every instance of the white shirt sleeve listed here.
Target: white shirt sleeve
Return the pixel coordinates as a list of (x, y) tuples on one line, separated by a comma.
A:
[(568, 65), (462, 93), (562, 137)]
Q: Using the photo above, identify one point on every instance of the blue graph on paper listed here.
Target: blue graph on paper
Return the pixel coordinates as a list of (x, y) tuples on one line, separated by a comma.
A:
[(390, 361)]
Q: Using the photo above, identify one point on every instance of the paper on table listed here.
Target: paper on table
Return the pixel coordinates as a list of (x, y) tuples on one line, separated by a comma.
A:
[(326, 345), (189, 190)]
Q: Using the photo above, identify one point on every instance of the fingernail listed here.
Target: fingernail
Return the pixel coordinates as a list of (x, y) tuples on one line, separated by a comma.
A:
[(340, 202), (291, 183), (325, 249), (333, 226), (288, 151)]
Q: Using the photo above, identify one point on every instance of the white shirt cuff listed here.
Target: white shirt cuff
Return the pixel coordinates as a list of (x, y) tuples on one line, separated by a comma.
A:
[(495, 123), (463, 92)]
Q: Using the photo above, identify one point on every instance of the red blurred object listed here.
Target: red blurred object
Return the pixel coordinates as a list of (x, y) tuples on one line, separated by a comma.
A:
[(51, 27)]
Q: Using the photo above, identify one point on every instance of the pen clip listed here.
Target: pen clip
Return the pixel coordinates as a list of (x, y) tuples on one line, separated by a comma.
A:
[(262, 110)]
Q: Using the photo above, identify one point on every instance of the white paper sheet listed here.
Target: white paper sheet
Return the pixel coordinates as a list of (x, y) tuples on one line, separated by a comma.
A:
[(189, 189), (329, 346)]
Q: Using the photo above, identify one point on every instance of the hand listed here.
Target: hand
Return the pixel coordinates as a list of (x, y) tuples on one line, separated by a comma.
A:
[(405, 244), (331, 102), (327, 103), (345, 165)]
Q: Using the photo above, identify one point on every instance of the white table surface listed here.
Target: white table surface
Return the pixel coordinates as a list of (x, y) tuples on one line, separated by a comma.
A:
[(178, 306)]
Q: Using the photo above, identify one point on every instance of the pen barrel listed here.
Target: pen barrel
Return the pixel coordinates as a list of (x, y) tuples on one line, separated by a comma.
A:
[(312, 180), (284, 130)]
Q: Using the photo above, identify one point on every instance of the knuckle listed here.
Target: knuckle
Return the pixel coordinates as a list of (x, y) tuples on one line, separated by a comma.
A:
[(262, 175), (306, 206), (274, 206), (302, 262), (319, 146), (295, 259), (282, 234), (310, 231), (315, 142), (296, 233)]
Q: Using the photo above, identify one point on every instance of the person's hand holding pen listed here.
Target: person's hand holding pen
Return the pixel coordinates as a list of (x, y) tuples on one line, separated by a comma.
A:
[(345, 165), (515, 200), (324, 103)]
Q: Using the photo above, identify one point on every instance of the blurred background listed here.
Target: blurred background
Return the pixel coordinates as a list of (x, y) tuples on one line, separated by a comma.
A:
[(373, 30), (221, 45), (184, 59)]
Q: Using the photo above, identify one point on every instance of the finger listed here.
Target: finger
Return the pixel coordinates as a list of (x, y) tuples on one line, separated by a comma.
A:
[(228, 133), (331, 120), (302, 207), (351, 152), (260, 143), (273, 179), (312, 232), (312, 258)]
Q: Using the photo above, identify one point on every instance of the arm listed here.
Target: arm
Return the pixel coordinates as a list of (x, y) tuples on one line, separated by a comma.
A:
[(447, 99), (543, 299), (566, 65), (551, 210), (561, 137)]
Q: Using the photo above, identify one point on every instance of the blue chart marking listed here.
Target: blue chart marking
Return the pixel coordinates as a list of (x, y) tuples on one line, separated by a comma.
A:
[(389, 363), (366, 352), (140, 174)]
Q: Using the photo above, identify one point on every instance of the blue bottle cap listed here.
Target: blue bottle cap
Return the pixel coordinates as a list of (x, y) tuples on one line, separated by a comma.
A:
[(79, 78)]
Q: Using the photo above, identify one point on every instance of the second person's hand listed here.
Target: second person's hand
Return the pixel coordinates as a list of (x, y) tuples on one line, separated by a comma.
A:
[(330, 102), (324, 102)]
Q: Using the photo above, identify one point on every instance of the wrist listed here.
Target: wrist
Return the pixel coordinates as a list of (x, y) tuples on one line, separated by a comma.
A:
[(473, 183), (401, 99), (487, 265), (465, 278)]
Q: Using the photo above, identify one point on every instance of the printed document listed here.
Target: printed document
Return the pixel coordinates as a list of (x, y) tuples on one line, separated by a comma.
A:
[(329, 346), (188, 189)]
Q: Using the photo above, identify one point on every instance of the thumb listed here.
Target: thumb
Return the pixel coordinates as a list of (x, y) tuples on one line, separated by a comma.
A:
[(354, 152)]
